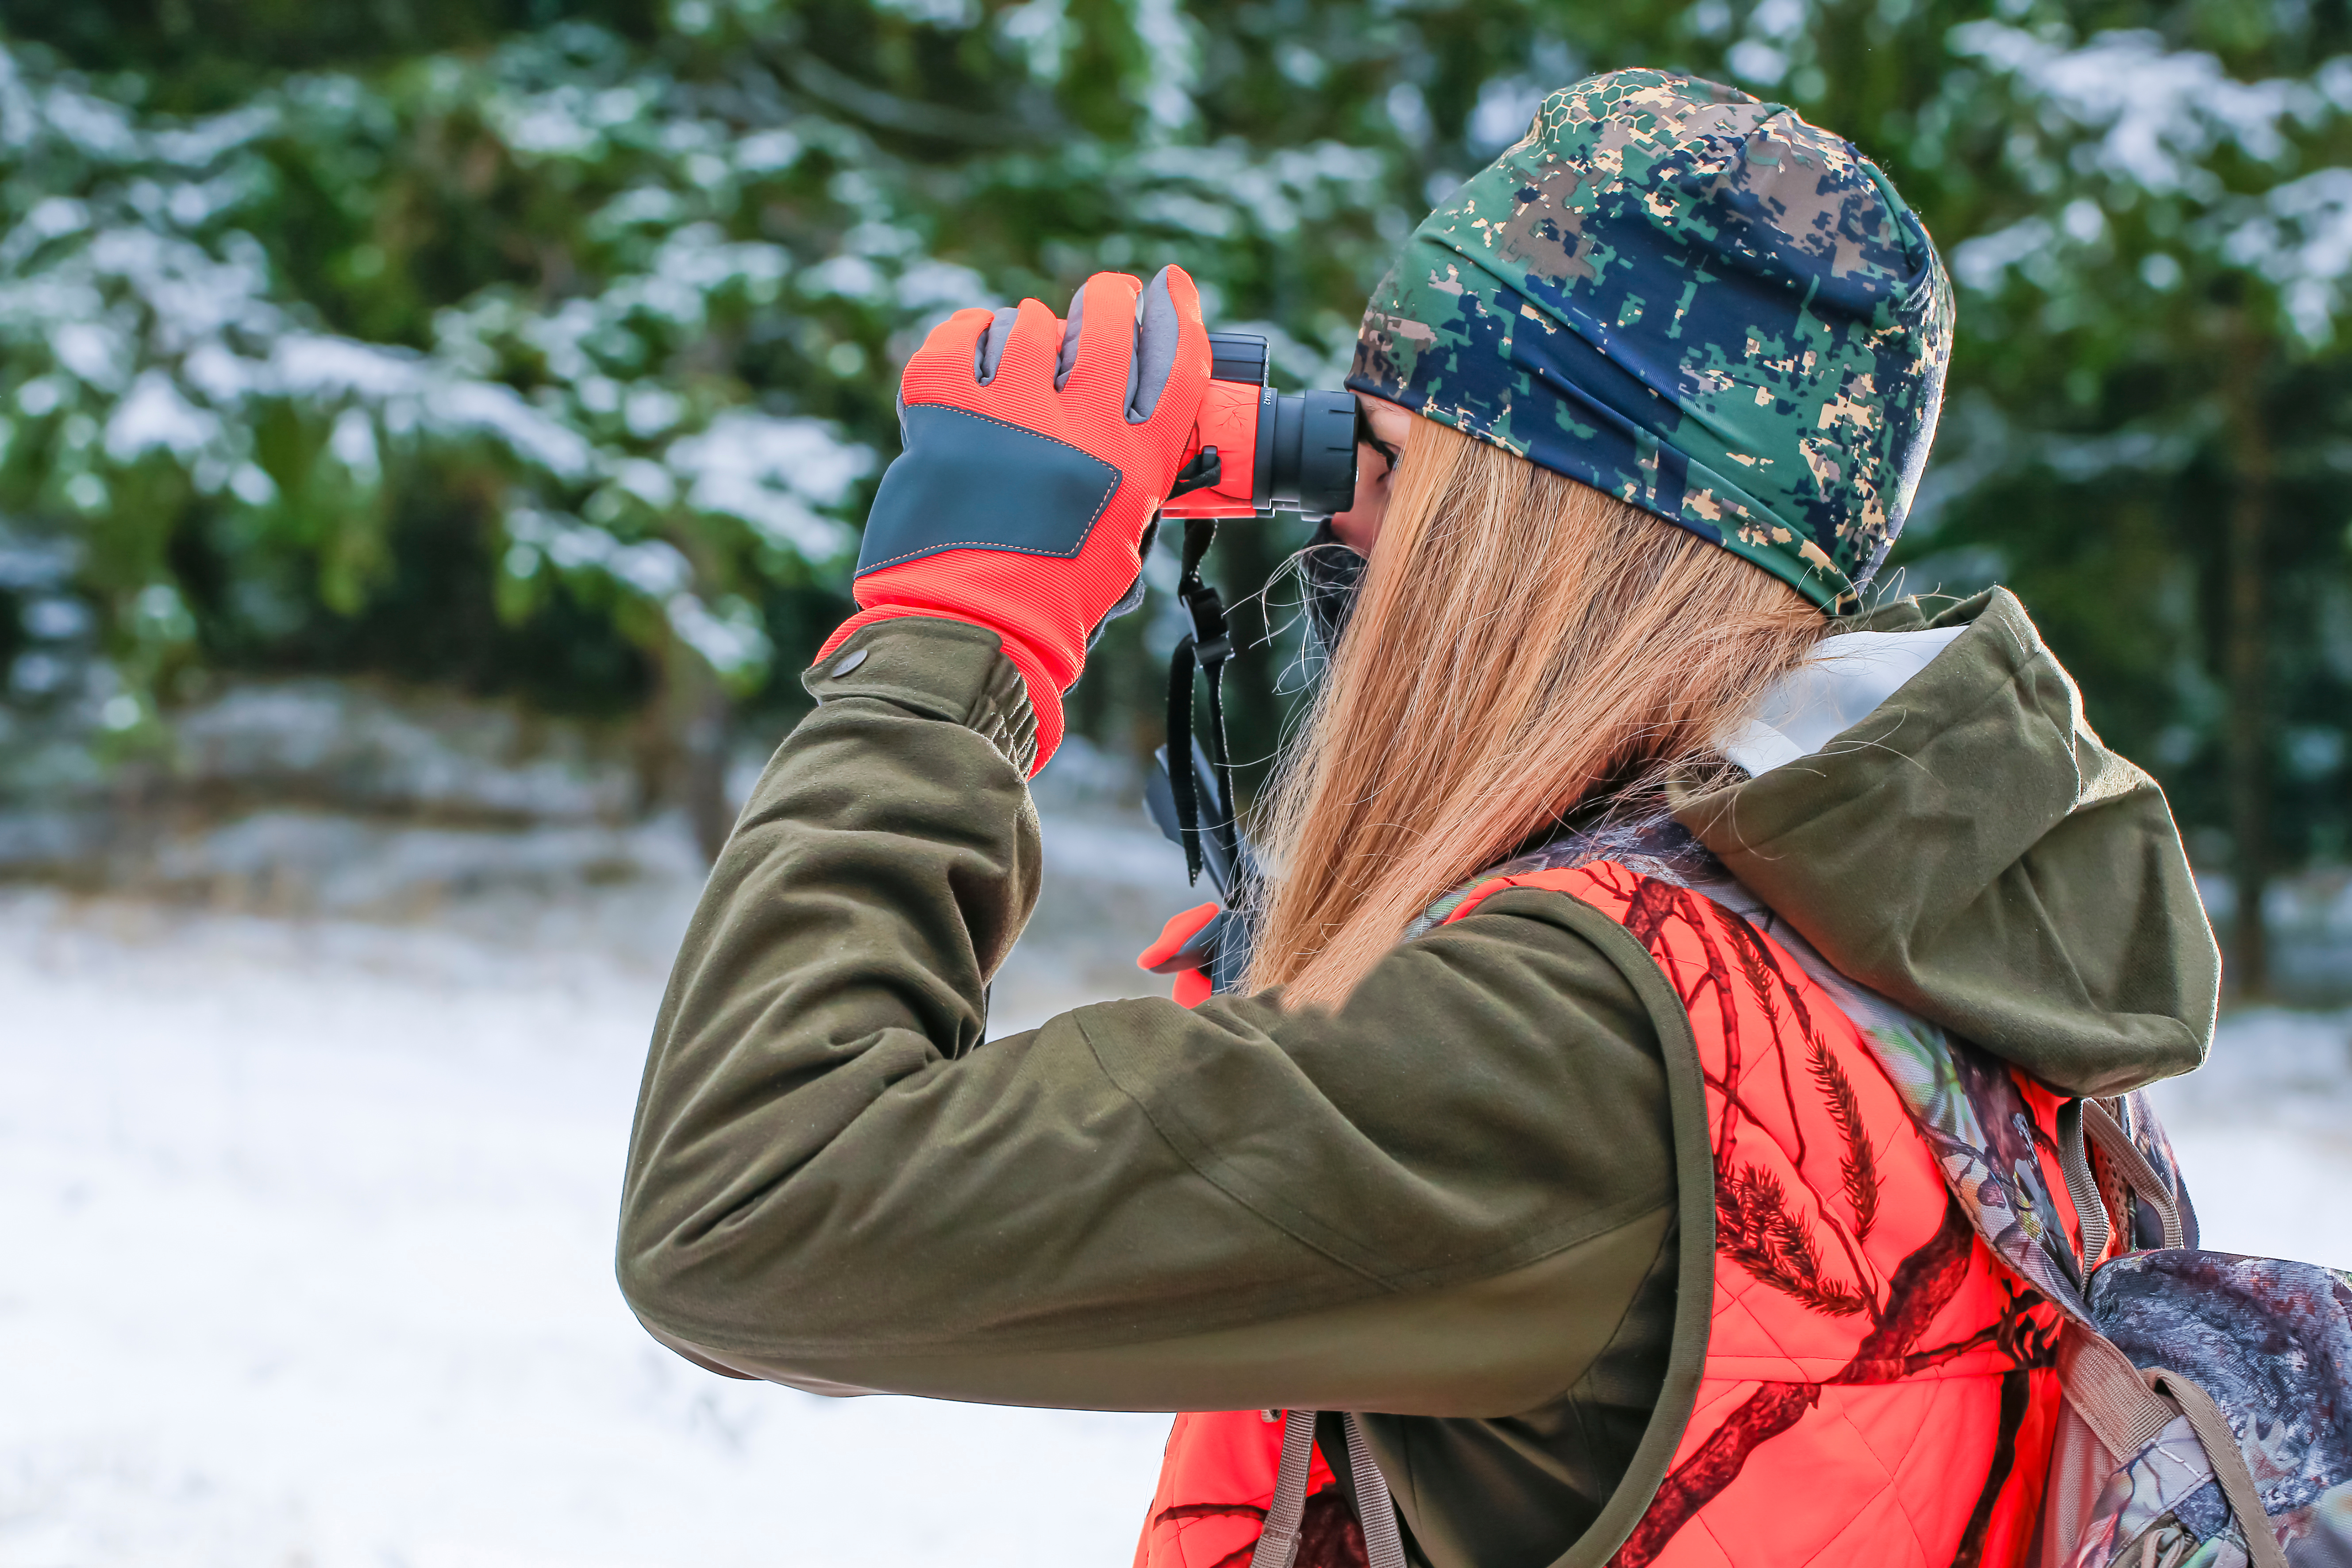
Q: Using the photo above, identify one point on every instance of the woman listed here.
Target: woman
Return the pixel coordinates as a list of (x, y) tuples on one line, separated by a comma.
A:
[(1583, 1184)]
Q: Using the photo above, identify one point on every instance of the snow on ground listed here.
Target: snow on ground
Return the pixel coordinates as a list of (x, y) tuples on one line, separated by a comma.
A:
[(2265, 1135), (307, 1230), (308, 1257)]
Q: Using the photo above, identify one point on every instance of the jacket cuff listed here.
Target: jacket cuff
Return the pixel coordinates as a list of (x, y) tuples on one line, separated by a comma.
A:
[(941, 669)]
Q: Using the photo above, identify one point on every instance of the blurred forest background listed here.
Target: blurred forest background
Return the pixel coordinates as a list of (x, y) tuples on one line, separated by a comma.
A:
[(434, 434), (545, 352)]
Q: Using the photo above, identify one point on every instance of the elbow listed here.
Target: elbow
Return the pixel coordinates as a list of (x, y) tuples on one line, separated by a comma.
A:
[(660, 1292), (677, 1262), (701, 1282), (646, 1263), (677, 1307)]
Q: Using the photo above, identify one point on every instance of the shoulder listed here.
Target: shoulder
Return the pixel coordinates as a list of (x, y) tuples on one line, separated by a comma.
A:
[(1531, 959)]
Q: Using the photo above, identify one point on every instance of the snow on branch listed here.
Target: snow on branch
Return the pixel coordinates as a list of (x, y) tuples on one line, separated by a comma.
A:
[(2158, 115), (2300, 239), (147, 321)]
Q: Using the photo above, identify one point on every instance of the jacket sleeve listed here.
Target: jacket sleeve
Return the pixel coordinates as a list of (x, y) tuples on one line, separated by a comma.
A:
[(1439, 1199)]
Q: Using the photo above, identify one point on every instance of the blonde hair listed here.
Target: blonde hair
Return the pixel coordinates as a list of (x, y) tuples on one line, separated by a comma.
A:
[(1523, 646)]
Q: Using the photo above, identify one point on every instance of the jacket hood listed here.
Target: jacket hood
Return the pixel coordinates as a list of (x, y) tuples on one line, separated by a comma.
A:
[(1930, 808)]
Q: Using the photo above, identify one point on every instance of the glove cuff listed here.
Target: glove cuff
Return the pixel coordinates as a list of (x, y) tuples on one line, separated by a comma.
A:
[(1023, 719)]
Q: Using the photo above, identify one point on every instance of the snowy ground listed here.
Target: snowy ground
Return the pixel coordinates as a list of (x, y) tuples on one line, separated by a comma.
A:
[(2265, 1135), (308, 1229)]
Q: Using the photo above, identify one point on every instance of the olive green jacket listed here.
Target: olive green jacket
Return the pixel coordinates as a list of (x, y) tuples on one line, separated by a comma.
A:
[(1455, 1201)]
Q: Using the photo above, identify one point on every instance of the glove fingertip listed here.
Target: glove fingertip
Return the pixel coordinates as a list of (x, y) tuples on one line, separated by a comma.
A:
[(1192, 327), (1180, 287), (1169, 339), (988, 353), (1175, 931), (957, 338), (1101, 313)]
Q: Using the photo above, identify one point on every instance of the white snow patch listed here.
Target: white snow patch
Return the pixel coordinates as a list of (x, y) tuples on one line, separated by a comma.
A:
[(927, 284), (353, 441), (652, 568), (311, 364), (1983, 262), (2161, 111), (768, 472), (500, 411), (93, 351), (767, 152), (324, 368), (2265, 1135), (851, 277), (155, 415), (311, 1230), (726, 634), (2301, 240)]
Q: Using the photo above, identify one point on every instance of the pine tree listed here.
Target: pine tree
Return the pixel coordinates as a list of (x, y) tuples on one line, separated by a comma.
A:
[(550, 350)]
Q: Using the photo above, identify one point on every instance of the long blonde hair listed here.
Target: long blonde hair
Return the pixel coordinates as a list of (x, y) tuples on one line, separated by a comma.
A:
[(1523, 646)]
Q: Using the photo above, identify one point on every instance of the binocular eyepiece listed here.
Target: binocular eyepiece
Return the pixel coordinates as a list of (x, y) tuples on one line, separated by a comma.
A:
[(1255, 451)]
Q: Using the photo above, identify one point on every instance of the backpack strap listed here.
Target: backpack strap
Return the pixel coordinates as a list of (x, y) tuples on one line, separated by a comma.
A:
[(2090, 1208), (2127, 1407), (2106, 1390), (1277, 1543), (1384, 1547), (2078, 1117), (2212, 1430)]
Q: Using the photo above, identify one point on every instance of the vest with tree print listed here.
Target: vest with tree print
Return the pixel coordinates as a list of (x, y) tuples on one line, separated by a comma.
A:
[(1878, 1386)]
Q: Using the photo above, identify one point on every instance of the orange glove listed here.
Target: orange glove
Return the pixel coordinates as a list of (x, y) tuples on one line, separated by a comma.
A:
[(1035, 456), (1176, 952)]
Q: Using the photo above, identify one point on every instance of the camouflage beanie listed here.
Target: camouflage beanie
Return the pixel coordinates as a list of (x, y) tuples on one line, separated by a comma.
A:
[(1692, 301)]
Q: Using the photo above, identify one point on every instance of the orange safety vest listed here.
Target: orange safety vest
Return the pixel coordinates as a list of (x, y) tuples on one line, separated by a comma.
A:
[(1878, 1390)]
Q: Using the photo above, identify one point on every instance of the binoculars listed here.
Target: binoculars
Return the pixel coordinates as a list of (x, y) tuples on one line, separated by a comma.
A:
[(1255, 451)]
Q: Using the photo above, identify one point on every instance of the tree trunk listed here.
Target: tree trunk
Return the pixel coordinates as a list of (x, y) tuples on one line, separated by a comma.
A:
[(702, 781), (2246, 660), (681, 746)]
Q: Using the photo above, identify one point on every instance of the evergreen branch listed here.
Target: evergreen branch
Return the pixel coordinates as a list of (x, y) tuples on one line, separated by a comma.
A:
[(879, 107), (1757, 1228), (1859, 1168), (1756, 961)]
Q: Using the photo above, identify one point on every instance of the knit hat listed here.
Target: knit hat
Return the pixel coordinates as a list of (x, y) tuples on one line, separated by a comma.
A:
[(1694, 302)]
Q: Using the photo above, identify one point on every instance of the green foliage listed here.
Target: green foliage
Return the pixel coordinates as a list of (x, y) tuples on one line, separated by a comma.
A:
[(551, 348)]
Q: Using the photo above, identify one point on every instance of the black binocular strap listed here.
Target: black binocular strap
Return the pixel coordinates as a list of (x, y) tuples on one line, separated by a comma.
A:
[(1206, 644)]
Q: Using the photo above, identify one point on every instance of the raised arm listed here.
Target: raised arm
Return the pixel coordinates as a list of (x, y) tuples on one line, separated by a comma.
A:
[(1440, 1199)]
